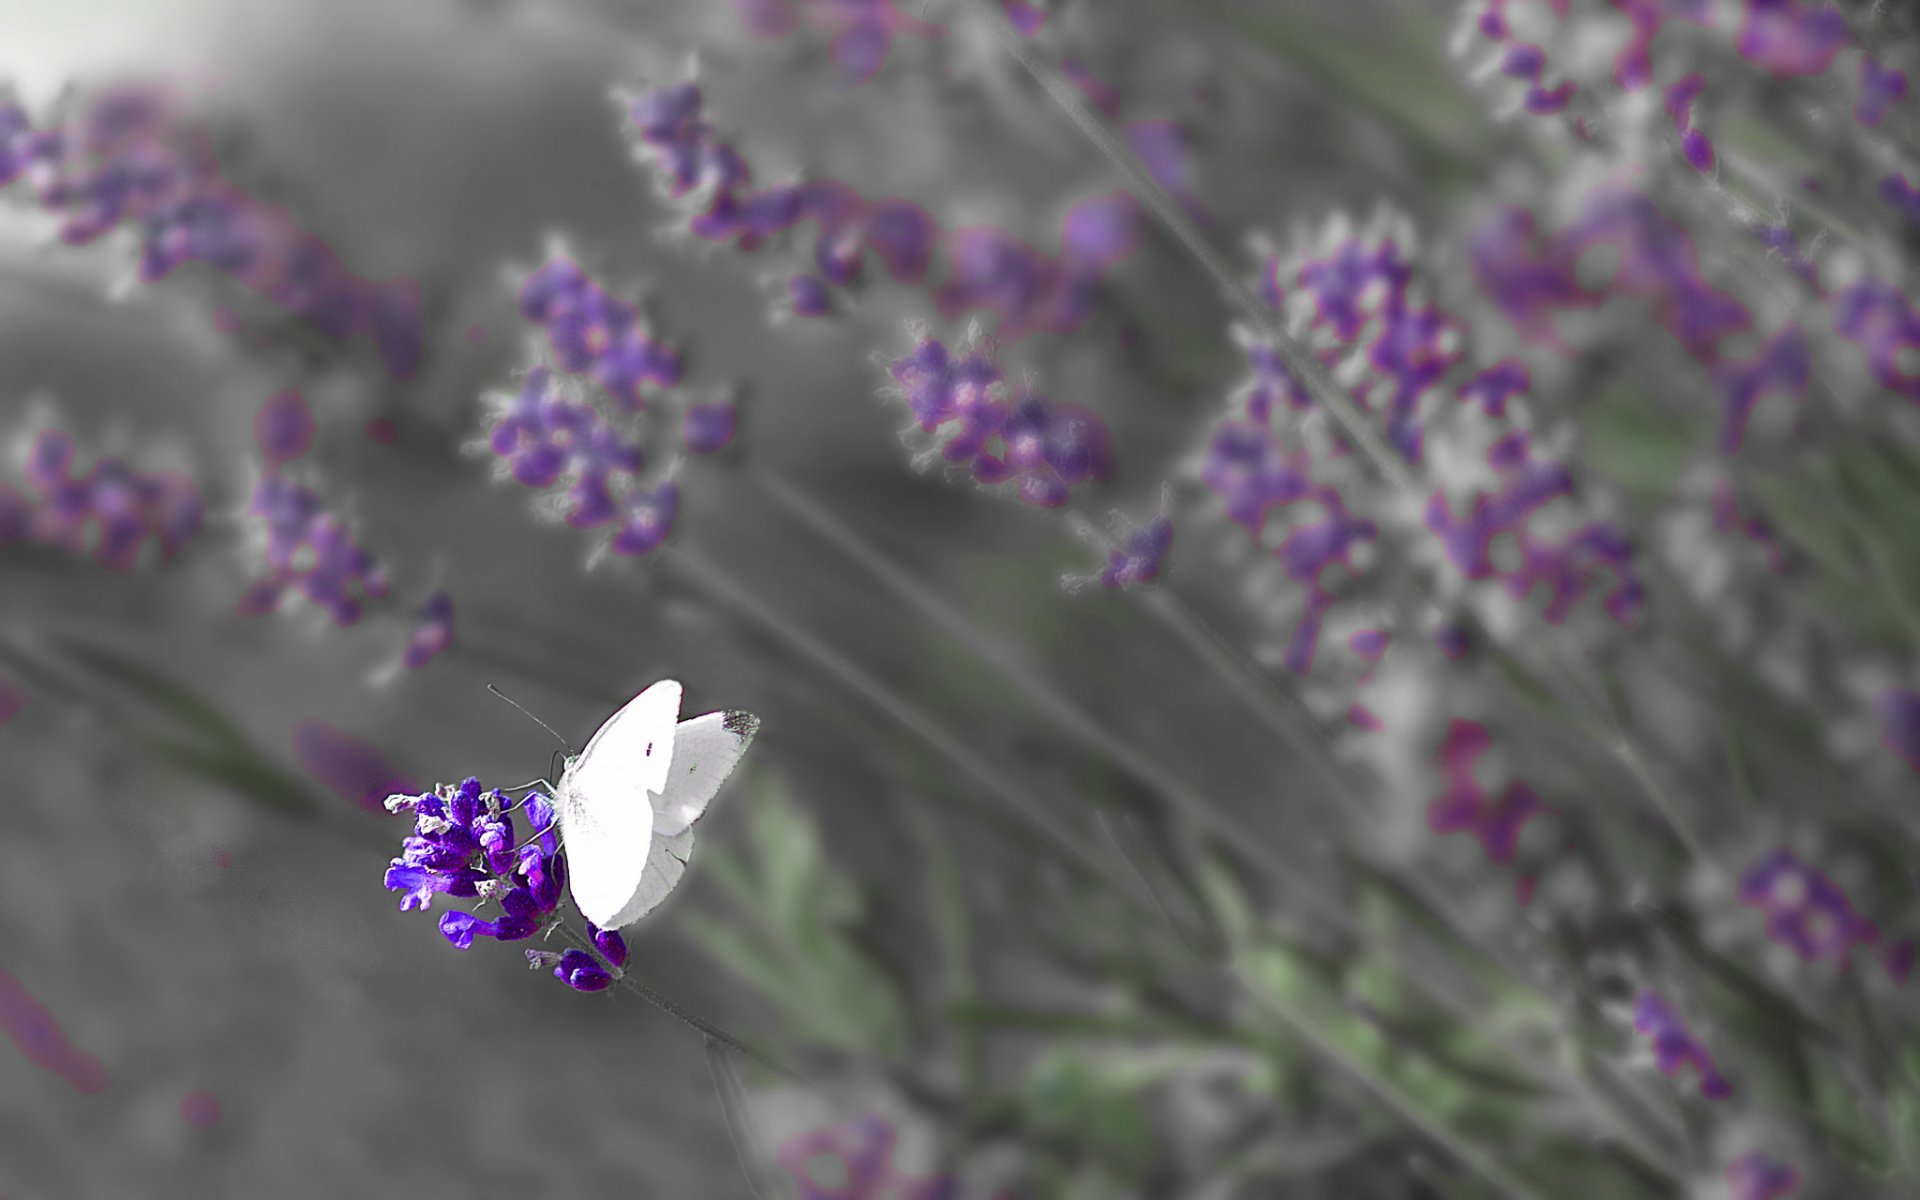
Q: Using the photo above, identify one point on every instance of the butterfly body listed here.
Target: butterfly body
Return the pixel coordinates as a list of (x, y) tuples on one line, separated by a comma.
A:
[(627, 803)]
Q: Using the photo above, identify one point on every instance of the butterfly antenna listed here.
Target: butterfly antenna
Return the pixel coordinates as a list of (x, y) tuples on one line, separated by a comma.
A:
[(536, 720)]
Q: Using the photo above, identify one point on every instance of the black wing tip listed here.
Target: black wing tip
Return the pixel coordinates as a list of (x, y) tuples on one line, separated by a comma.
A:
[(740, 724)]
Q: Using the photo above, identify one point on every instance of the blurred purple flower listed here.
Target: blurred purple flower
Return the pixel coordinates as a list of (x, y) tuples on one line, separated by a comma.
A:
[(1043, 450), (39, 1037), (1466, 807), (309, 550), (709, 428), (432, 632), (1806, 911), (1674, 1047), (112, 512), (283, 428), (1899, 712), (1880, 89), (350, 767), (1754, 1176)]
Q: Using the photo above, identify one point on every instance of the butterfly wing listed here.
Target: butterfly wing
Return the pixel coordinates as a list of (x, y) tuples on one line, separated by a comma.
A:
[(705, 751), (666, 862), (603, 801), (632, 751)]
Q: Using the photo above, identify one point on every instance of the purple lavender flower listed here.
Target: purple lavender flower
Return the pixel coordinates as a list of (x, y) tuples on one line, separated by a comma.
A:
[(807, 296), (1043, 450), (309, 550), (859, 1152), (432, 632), (283, 428), (647, 517), (1465, 806), (1754, 1176), (113, 512), (1806, 911), (1141, 557), (352, 768), (1786, 40), (709, 428), (465, 844), (1899, 712), (1880, 89), (1674, 1047)]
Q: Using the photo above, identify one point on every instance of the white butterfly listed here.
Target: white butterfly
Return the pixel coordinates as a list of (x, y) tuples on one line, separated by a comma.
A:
[(628, 802)]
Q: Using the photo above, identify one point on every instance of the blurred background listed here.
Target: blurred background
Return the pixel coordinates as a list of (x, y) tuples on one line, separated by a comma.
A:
[(977, 875)]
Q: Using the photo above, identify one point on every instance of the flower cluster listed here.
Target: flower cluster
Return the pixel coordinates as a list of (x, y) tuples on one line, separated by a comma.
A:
[(550, 437), (1037, 449), (314, 553), (1754, 1176), (125, 161), (1503, 506), (1806, 911), (855, 1157), (1467, 806), (862, 31), (112, 511), (593, 334), (1136, 560), (1533, 38), (308, 550), (1673, 1047), (466, 844), (988, 270)]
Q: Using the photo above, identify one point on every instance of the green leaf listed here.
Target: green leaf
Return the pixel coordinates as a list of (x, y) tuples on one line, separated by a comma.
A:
[(1635, 445), (798, 941)]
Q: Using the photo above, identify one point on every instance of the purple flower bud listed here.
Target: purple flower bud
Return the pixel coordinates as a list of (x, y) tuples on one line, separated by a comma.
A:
[(610, 944), (1674, 1047), (461, 928), (708, 428), (542, 821), (1786, 40), (647, 519), (1754, 1176), (432, 632), (903, 235), (283, 429), (1142, 557), (1880, 88), (1904, 197), (1899, 712), (808, 297), (1465, 806), (579, 971)]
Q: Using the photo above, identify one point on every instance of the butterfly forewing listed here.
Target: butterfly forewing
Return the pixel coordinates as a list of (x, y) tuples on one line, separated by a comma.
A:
[(705, 751), (606, 811)]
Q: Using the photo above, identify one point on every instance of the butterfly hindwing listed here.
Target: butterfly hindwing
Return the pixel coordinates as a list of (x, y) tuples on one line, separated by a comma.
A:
[(666, 861), (705, 751)]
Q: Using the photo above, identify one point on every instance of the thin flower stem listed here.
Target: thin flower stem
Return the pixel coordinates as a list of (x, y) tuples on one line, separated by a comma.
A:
[(1066, 713), (693, 1020), (1283, 711)]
